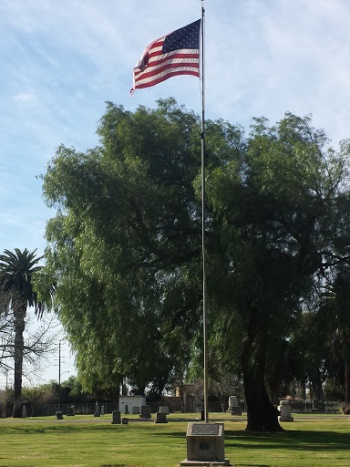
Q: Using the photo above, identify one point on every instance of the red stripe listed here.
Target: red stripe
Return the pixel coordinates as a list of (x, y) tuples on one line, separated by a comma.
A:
[(147, 74), (168, 61), (155, 77), (174, 53), (164, 71), (163, 78)]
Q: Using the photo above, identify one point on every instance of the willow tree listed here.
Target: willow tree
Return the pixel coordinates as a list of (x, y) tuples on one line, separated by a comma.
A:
[(282, 222), (124, 249), (16, 271)]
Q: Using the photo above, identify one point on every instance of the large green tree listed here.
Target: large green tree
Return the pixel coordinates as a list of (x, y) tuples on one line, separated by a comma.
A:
[(16, 271), (124, 247), (282, 217)]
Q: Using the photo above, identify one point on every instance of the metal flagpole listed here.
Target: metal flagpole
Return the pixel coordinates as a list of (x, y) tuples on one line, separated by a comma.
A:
[(205, 332)]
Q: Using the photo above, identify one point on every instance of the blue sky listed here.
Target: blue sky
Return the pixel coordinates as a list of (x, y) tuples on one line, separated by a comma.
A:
[(61, 60)]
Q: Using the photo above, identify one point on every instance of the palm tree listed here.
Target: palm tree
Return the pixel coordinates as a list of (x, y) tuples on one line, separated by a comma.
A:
[(16, 271)]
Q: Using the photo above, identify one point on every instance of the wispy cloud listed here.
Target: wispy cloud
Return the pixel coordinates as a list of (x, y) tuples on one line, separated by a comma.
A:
[(24, 97), (61, 60)]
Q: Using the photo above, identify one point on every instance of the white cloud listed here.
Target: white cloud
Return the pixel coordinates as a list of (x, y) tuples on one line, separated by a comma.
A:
[(61, 60), (24, 97)]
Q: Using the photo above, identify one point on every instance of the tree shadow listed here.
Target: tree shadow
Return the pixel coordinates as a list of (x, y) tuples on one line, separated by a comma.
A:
[(293, 439)]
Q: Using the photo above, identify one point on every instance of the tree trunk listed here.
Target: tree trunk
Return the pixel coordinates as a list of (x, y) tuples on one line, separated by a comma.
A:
[(319, 387), (303, 389), (346, 357), (19, 325), (262, 415), (347, 380)]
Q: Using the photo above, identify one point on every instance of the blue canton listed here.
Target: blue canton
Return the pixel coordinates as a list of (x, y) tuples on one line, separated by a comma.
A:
[(184, 38)]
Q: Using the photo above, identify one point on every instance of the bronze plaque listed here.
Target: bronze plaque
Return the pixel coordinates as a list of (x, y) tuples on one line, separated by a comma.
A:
[(205, 429)]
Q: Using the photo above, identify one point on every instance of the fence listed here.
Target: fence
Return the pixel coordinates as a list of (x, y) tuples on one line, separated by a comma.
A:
[(79, 409)]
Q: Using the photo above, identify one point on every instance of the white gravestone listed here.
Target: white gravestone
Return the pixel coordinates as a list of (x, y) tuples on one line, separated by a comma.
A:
[(285, 411)]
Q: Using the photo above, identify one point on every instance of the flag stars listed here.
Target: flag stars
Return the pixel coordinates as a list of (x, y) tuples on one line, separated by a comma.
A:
[(184, 38)]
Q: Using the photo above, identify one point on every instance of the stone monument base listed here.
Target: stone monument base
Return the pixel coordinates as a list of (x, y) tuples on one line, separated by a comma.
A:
[(205, 444), (209, 463)]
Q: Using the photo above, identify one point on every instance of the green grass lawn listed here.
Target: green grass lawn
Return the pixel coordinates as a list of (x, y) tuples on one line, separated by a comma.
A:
[(85, 441)]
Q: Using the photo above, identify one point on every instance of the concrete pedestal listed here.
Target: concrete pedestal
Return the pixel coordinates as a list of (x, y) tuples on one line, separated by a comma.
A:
[(205, 444)]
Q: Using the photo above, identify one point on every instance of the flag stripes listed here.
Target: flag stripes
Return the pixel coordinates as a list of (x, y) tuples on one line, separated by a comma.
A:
[(156, 66)]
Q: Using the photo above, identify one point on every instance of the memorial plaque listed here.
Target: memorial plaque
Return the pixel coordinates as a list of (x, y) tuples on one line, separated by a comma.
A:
[(205, 429)]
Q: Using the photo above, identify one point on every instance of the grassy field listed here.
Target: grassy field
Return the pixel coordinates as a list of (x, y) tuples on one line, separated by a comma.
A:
[(85, 441)]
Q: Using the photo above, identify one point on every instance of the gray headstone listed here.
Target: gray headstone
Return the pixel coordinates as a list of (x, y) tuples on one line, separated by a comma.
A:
[(161, 418), (145, 411), (97, 410), (116, 417)]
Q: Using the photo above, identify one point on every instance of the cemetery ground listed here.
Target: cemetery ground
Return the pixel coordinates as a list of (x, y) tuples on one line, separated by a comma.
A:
[(84, 441)]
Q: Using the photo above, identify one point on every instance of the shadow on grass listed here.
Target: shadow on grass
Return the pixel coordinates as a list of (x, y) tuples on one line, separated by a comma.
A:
[(299, 440), (294, 439)]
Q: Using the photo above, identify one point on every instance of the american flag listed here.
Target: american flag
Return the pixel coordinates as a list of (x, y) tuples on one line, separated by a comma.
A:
[(175, 54)]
